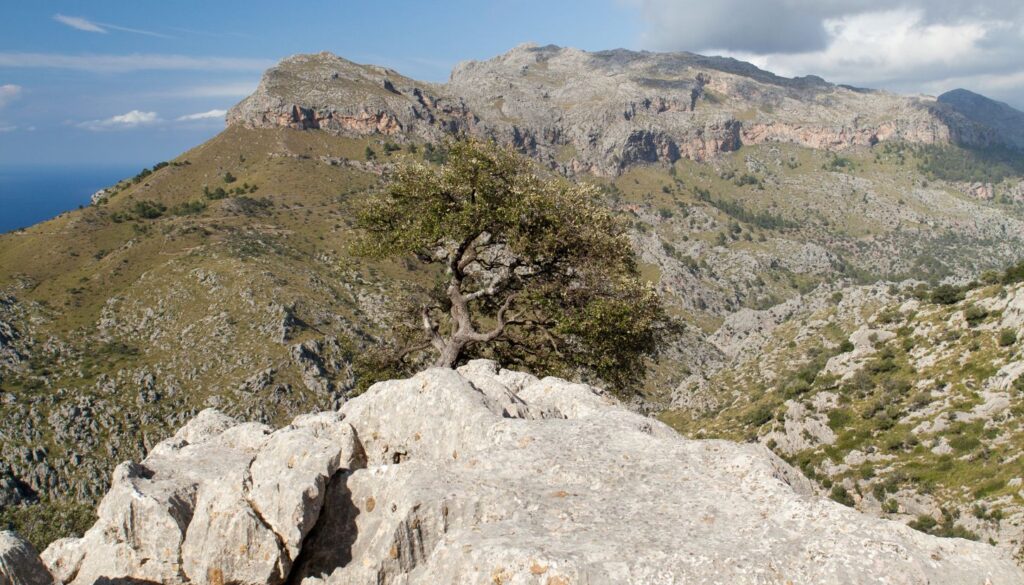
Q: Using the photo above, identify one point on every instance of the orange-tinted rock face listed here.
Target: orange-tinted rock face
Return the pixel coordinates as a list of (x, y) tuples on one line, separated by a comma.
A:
[(613, 109)]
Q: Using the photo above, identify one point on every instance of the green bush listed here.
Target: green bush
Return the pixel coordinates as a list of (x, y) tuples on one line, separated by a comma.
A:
[(842, 496), (975, 314), (946, 294), (1007, 337), (149, 209)]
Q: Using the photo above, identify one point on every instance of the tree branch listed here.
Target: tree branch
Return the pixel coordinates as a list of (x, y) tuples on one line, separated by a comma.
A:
[(499, 328), (431, 328)]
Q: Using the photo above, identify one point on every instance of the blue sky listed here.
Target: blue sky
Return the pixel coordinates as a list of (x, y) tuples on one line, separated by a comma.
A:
[(76, 88), (135, 82)]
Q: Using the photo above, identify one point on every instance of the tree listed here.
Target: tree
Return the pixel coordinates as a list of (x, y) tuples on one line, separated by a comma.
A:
[(532, 271)]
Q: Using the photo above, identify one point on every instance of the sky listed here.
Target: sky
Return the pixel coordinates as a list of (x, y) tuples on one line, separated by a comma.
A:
[(140, 81)]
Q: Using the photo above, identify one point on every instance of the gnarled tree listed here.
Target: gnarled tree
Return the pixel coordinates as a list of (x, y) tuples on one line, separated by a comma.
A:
[(533, 271)]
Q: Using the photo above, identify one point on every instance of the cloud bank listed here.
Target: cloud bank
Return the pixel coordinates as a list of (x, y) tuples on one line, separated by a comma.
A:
[(212, 114), (132, 119), (911, 46)]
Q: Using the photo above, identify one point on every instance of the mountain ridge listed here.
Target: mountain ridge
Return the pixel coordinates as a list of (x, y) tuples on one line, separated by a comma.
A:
[(601, 112)]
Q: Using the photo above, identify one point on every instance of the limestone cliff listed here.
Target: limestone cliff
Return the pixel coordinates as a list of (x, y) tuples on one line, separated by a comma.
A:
[(602, 111)]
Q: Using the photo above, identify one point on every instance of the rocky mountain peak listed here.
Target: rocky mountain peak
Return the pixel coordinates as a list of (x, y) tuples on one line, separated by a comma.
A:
[(599, 112)]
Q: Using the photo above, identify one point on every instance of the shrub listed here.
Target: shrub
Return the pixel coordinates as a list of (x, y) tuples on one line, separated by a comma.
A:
[(946, 294), (975, 314), (229, 178), (842, 496), (1007, 337), (149, 209)]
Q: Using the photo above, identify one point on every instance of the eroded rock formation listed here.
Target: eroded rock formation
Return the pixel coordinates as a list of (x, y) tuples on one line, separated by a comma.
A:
[(486, 475)]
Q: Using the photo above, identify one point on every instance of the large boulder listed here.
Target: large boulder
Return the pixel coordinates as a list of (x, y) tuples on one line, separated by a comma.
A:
[(20, 563), (488, 476), (219, 502)]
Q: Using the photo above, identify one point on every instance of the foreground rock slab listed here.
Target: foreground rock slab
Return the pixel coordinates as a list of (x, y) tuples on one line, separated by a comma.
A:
[(20, 563), (488, 476)]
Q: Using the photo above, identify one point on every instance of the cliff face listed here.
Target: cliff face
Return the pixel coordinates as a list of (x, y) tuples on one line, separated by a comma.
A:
[(599, 112), (486, 475)]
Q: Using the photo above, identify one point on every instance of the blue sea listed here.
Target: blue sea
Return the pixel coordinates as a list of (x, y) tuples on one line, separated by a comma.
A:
[(30, 194)]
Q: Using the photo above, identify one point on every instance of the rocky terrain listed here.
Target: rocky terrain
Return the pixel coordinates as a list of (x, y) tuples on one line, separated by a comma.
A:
[(900, 402), (222, 278), (601, 112), (486, 475)]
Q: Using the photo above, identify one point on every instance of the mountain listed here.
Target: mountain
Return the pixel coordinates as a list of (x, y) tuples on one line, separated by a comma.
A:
[(600, 112), (485, 475), (1006, 122), (223, 279)]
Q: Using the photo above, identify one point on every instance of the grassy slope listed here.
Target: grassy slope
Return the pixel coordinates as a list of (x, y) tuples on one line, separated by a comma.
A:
[(198, 302)]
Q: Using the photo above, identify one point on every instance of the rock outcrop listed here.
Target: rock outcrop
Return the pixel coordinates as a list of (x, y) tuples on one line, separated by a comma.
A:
[(487, 475), (601, 112), (20, 563)]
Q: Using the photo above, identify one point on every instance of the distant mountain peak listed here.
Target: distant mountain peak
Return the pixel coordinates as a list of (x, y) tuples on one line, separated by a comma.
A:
[(600, 112), (1006, 121)]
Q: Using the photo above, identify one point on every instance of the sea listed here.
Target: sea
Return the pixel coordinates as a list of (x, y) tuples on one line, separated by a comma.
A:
[(31, 194)]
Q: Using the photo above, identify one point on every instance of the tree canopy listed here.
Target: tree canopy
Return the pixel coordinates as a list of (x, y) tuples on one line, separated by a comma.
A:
[(532, 272)]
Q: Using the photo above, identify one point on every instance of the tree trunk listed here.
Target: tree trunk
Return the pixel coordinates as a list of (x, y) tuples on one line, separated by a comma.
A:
[(450, 354)]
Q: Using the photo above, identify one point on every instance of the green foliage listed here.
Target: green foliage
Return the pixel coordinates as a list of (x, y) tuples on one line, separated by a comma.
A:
[(975, 314), (1014, 274), (841, 495), (950, 163), (189, 208), (536, 272), (434, 154), (370, 153), (837, 163), (734, 209), (946, 294), (229, 178), (946, 527), (43, 524), (1007, 337), (149, 209)]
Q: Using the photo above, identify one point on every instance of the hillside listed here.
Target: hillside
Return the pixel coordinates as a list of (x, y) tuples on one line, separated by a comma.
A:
[(223, 277), (903, 402)]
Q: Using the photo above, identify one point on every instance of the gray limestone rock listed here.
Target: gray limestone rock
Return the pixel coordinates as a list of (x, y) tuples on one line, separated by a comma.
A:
[(20, 563), (485, 475)]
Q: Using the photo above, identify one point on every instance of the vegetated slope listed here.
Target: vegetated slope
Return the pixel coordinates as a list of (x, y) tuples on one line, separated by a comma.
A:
[(1007, 121), (223, 278), (906, 402)]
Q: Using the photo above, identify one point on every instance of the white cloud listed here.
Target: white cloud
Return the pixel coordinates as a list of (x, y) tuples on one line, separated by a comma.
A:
[(84, 24), (79, 23), (903, 45), (5, 128), (212, 114), (127, 63), (132, 119), (8, 93)]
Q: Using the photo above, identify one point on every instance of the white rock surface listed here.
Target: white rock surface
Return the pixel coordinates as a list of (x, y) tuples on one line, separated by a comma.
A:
[(489, 476), (20, 563)]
